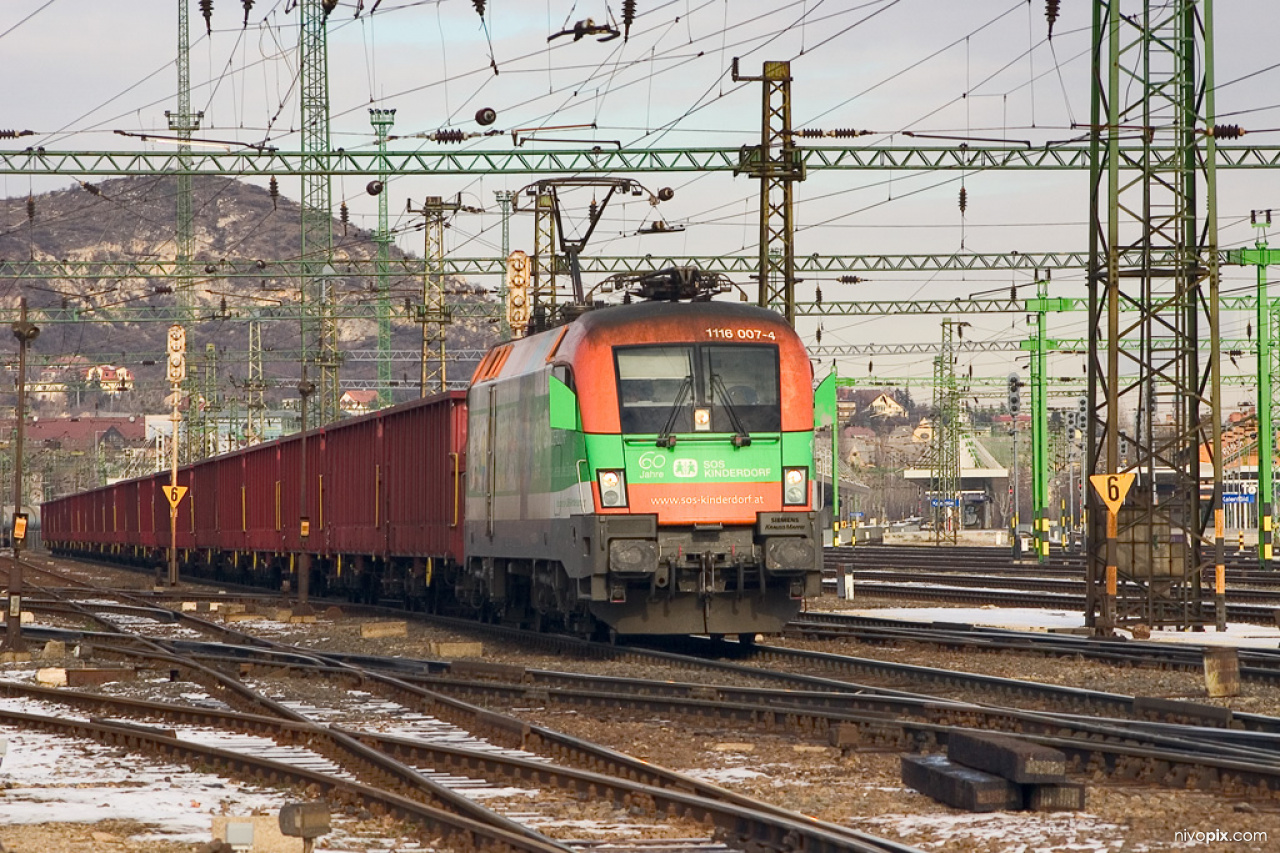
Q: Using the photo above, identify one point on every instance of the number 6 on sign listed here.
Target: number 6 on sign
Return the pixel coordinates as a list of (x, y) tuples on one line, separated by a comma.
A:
[(1112, 488), (174, 493)]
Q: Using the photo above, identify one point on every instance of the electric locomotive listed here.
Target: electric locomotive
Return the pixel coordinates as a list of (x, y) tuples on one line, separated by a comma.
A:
[(646, 467)]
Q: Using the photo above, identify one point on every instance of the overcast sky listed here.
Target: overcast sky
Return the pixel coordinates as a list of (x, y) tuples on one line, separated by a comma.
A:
[(79, 70)]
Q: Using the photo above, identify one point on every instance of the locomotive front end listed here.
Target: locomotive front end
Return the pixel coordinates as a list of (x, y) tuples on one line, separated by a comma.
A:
[(699, 437)]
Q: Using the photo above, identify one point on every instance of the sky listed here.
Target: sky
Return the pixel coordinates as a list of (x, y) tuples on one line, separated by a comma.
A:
[(79, 71)]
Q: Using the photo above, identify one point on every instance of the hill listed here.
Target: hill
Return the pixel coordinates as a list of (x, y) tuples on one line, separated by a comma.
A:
[(236, 224)]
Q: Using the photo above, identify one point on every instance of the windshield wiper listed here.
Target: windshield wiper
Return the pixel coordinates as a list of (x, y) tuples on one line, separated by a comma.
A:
[(667, 438), (741, 437)]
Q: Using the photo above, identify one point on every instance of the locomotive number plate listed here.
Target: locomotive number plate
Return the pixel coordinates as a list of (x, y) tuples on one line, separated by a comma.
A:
[(727, 334)]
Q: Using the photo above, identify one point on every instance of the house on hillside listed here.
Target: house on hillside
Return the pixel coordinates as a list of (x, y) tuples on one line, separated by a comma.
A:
[(109, 378), (884, 406), (358, 402)]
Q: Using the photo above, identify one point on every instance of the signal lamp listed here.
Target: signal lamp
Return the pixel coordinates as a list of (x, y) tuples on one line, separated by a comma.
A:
[(795, 486), (613, 488), (1015, 394)]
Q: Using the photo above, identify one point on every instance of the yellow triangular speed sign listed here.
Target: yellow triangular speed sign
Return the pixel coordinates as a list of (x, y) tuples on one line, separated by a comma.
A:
[(174, 494), (1112, 488)]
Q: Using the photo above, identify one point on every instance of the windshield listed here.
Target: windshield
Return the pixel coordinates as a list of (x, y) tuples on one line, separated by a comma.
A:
[(658, 385)]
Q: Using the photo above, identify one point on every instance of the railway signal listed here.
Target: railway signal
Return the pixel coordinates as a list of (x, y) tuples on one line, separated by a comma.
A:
[(1015, 394), (175, 372), (518, 293), (25, 332)]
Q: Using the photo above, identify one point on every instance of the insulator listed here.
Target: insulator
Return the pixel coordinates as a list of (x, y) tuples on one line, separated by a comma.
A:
[(31, 208), (206, 9), (328, 6), (817, 294), (248, 4), (479, 4), (666, 194), (964, 200), (838, 133), (273, 188), (452, 135), (593, 210), (1051, 13), (14, 134), (224, 305), (1227, 131), (870, 367), (1248, 330), (849, 279), (91, 189), (817, 336), (374, 188), (486, 116), (344, 216), (628, 17)]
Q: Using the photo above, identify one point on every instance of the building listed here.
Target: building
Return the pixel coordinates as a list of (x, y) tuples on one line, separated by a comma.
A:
[(109, 378), (358, 402)]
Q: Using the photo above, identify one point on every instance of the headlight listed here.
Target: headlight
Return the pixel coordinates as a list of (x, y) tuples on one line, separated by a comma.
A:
[(613, 488), (702, 420), (795, 486)]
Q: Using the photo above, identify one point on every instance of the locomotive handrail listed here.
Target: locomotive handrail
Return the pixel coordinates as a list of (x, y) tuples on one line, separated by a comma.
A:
[(457, 476), (581, 494)]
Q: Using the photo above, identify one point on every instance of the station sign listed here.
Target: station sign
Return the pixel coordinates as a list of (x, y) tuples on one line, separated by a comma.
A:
[(1237, 498)]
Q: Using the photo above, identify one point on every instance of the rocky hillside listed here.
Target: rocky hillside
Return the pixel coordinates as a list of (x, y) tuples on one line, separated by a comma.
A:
[(132, 219)]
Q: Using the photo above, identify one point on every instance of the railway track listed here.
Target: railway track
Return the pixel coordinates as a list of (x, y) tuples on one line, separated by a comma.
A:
[(1258, 665), (990, 576), (1176, 744), (384, 772), (921, 590), (805, 696), (1242, 568)]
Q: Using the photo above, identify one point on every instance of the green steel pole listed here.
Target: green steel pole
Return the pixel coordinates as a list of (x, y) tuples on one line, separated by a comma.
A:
[(1039, 347), (1266, 440), (1040, 430), (835, 476), (382, 121), (1262, 257), (504, 198)]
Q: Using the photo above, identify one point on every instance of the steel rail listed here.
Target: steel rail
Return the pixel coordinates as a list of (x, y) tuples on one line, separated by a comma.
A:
[(458, 828)]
